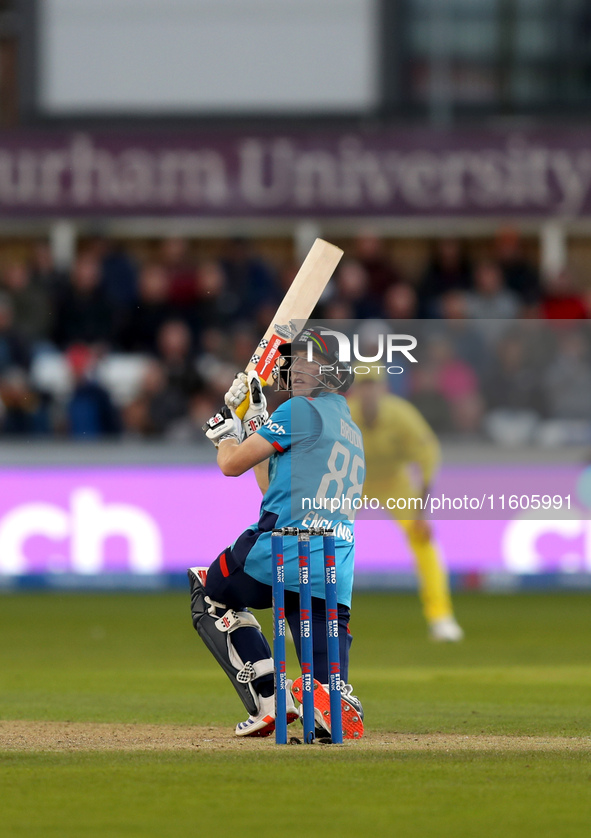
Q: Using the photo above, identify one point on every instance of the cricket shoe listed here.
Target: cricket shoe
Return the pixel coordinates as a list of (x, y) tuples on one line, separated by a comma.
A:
[(263, 724), (445, 630), (351, 709)]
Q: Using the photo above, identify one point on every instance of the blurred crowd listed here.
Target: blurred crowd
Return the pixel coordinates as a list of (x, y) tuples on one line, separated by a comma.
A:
[(126, 348)]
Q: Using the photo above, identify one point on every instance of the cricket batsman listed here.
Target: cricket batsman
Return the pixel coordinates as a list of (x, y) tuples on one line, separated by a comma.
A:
[(309, 448), (397, 439)]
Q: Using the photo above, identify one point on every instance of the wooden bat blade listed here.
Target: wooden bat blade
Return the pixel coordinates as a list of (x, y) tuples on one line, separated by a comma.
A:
[(298, 304)]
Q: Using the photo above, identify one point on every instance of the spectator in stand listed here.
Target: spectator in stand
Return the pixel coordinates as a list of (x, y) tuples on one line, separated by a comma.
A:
[(44, 272), (282, 277), (214, 308), (157, 406), (242, 339), (118, 276), (465, 335), (561, 299), (23, 410), (30, 303), (491, 300), (513, 393), (90, 411), (352, 288), (144, 321), (381, 274), (567, 381), (448, 270), (455, 381), (336, 309), (214, 346), (250, 282), (521, 277), (512, 382), (83, 311), (214, 363), (453, 305), (181, 275), (175, 351), (400, 302), (14, 349)]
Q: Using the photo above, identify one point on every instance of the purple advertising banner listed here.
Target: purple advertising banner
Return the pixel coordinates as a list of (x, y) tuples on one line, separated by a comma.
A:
[(153, 520), (296, 174)]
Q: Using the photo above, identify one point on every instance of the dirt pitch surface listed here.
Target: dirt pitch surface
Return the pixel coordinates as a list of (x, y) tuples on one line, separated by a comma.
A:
[(80, 736)]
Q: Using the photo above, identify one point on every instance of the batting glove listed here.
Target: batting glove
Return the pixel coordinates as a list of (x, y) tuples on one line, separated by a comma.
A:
[(257, 413), (248, 388), (238, 391), (224, 425)]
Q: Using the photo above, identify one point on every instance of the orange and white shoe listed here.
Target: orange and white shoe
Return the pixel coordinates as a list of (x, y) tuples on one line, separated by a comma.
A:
[(263, 724), (351, 709)]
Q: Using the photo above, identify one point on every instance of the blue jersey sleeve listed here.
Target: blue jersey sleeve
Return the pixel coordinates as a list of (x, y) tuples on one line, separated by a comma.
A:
[(295, 422), (277, 428)]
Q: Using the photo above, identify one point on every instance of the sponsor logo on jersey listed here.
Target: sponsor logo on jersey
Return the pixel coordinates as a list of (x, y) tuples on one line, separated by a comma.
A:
[(275, 427)]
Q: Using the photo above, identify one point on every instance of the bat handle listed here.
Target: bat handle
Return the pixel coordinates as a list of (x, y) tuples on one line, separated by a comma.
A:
[(242, 408)]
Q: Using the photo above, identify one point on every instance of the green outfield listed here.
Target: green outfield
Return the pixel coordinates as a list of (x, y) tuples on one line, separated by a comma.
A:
[(489, 737)]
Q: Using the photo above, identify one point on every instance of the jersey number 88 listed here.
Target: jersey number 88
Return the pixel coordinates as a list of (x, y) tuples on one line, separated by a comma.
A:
[(338, 471)]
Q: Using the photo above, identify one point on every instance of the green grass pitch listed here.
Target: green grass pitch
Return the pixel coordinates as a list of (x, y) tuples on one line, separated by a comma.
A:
[(523, 673)]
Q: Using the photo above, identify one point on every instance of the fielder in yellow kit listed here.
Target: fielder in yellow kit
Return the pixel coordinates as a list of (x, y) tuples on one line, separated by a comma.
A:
[(397, 440)]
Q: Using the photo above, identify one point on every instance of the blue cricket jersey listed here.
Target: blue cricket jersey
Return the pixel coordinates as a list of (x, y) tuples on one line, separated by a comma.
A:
[(318, 466)]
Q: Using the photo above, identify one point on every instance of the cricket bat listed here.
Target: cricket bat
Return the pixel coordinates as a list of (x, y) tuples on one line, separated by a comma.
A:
[(298, 303)]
